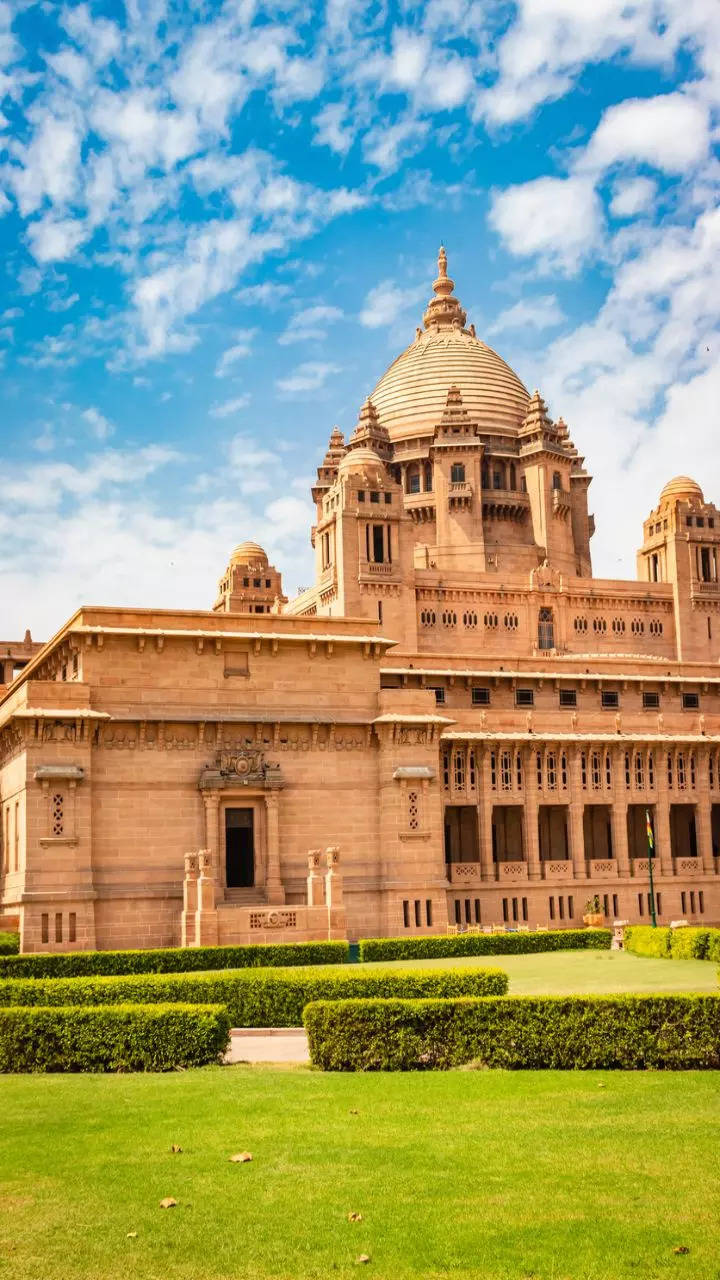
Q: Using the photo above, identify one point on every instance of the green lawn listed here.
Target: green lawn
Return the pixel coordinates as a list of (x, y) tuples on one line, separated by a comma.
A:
[(575, 972), (587, 1176)]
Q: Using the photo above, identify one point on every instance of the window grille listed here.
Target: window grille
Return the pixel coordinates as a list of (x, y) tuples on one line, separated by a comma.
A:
[(57, 814), (413, 817)]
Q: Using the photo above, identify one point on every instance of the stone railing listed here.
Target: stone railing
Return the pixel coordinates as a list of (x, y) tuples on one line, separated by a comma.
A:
[(464, 872), (512, 870), (558, 870), (603, 869), (641, 867), (688, 866)]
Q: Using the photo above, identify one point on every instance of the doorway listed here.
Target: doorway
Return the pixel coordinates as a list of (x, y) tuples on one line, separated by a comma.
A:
[(239, 849)]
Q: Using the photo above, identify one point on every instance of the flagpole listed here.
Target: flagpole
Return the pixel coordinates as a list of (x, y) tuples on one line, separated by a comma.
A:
[(651, 859)]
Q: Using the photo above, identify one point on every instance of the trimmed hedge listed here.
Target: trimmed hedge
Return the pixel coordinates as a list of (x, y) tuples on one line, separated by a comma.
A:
[(484, 944), (674, 1032), (253, 999), (74, 964), (9, 943), (685, 943), (121, 1037)]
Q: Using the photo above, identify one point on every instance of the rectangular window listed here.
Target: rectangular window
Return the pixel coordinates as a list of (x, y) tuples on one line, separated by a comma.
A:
[(551, 902), (615, 905), (374, 497), (72, 927), (692, 902), (458, 917), (468, 917), (505, 910), (524, 908), (641, 905), (658, 903), (406, 913), (514, 908), (568, 697), (428, 911), (561, 907), (58, 926), (361, 495), (701, 902), (480, 697), (690, 701), (45, 927), (609, 699), (651, 701), (388, 499), (439, 695), (606, 904), (378, 543), (524, 697), (418, 918), (477, 911), (683, 903)]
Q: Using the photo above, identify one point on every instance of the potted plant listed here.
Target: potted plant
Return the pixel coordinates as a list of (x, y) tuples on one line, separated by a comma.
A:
[(594, 916)]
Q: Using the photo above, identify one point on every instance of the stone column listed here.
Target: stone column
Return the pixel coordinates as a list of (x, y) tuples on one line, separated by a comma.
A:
[(485, 807), (619, 814), (703, 812), (530, 815), (576, 811), (273, 880), (190, 899), (314, 880), (211, 801), (206, 933), (663, 840), (333, 878)]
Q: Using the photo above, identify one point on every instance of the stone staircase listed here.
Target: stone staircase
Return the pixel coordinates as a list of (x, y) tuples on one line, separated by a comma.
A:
[(243, 898)]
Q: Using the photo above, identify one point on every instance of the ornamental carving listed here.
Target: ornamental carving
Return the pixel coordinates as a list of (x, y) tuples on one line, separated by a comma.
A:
[(242, 767)]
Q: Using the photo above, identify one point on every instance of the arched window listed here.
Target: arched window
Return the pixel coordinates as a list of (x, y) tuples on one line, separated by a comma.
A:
[(512, 484), (412, 479), (428, 477), (546, 630), (457, 473), (485, 476), (557, 480)]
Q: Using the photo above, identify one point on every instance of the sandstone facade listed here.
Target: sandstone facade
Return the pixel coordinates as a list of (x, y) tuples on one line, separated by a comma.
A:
[(480, 726)]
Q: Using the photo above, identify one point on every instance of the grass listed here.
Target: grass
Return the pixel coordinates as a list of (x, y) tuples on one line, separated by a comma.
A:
[(492, 1175)]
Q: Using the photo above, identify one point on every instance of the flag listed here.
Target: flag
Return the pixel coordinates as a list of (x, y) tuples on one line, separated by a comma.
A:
[(651, 842)]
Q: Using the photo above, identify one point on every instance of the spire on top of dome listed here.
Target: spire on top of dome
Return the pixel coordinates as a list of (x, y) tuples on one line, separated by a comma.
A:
[(444, 310), (455, 414)]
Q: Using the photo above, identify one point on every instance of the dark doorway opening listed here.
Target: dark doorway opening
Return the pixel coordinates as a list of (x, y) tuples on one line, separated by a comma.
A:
[(461, 833), (239, 849)]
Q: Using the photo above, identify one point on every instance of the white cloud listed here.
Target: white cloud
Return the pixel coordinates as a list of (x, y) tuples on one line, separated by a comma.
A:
[(241, 347), (557, 219), (632, 196), (386, 302), (309, 376), (539, 312), (670, 133), (55, 240), (49, 165), (99, 425), (332, 128), (386, 145), (227, 408), (310, 325)]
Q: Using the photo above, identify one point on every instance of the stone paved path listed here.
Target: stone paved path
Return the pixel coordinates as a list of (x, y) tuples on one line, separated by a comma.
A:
[(268, 1044)]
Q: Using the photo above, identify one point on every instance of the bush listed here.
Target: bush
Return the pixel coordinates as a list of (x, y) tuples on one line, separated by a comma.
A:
[(253, 999), (121, 1037), (483, 944), (9, 943), (644, 940), (72, 964), (685, 943), (677, 1032)]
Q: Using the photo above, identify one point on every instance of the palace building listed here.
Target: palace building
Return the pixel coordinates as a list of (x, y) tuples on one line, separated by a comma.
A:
[(457, 723)]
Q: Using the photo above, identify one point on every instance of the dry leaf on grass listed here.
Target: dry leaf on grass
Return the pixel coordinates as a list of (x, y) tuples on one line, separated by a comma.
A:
[(243, 1157), (355, 1217), (681, 1248), (131, 1235), (168, 1203), (364, 1257), (176, 1149)]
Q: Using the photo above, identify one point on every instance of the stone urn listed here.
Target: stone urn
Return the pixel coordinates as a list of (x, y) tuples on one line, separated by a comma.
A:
[(594, 920)]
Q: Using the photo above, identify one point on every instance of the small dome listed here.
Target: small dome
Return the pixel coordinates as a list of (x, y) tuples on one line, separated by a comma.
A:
[(681, 489), (248, 553), (362, 462)]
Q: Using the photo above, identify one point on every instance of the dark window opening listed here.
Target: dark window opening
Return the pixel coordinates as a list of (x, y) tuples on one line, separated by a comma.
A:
[(480, 697), (524, 697), (457, 473), (651, 701), (239, 849), (568, 697), (609, 700), (546, 630), (690, 701)]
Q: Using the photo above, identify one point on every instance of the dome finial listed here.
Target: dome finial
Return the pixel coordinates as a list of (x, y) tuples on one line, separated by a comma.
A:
[(442, 262), (444, 310)]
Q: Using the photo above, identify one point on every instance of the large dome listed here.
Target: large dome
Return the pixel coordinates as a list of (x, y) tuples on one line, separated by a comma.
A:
[(410, 397)]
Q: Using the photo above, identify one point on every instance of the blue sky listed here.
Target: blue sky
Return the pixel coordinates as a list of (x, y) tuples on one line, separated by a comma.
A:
[(220, 223)]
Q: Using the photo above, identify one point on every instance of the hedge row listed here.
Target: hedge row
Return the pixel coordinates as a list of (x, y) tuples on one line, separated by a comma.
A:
[(9, 943), (73, 964), (120, 1037), (674, 944), (675, 1032), (484, 944), (270, 998)]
